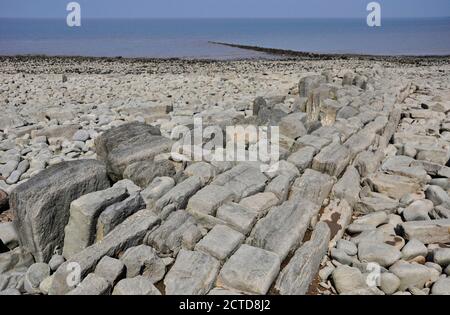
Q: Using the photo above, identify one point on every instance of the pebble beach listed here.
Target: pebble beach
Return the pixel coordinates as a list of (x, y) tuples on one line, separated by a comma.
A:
[(361, 190)]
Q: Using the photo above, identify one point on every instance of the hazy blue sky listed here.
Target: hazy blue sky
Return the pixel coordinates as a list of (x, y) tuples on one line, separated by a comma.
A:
[(224, 8)]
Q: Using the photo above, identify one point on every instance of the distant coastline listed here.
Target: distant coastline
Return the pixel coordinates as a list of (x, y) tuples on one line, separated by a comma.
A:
[(270, 55), (329, 56), (405, 39)]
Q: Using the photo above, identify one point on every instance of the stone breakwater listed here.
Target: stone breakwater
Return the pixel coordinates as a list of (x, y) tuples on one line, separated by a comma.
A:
[(359, 202)]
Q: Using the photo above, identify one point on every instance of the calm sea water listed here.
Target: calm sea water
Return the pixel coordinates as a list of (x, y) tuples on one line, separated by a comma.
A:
[(189, 38)]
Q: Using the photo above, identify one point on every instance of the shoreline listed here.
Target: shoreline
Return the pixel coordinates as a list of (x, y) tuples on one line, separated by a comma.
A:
[(273, 54), (332, 56)]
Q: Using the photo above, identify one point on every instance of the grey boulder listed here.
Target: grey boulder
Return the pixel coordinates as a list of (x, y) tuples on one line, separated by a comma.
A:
[(413, 249), (299, 273), (347, 247), (389, 283), (413, 274), (441, 287), (34, 276), (41, 205), (347, 279), (143, 258), (56, 261), (92, 285), (193, 273), (380, 253), (250, 270), (110, 269), (283, 229), (168, 237), (117, 213), (84, 212), (442, 257), (220, 242), (418, 211), (144, 172), (139, 285), (127, 144)]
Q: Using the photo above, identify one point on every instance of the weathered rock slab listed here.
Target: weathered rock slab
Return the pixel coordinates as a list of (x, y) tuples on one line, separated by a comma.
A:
[(292, 126), (139, 285), (41, 205), (92, 285), (144, 172), (337, 215), (117, 213), (250, 270), (167, 238), (312, 141), (237, 217), (303, 158), (8, 235), (283, 229), (332, 160), (308, 83), (110, 269), (193, 273), (260, 203), (348, 187), (297, 276), (383, 254), (281, 186), (313, 186), (413, 274), (347, 279), (220, 242), (207, 200), (180, 194), (141, 259), (158, 187), (81, 230), (428, 232), (242, 180), (122, 146), (376, 202), (394, 186)]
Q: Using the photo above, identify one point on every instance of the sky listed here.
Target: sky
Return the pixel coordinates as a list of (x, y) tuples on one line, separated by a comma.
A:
[(223, 8)]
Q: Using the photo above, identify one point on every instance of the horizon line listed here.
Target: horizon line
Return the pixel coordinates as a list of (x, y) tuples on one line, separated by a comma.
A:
[(214, 18)]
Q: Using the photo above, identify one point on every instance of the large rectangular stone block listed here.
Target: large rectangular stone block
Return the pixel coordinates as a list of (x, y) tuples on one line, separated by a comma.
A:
[(127, 144), (428, 232), (193, 273), (332, 160), (41, 205), (283, 229), (296, 278), (250, 270), (117, 213), (80, 231), (312, 185), (243, 180)]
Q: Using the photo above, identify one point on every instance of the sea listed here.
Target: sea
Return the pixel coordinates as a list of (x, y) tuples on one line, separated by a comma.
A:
[(193, 38)]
